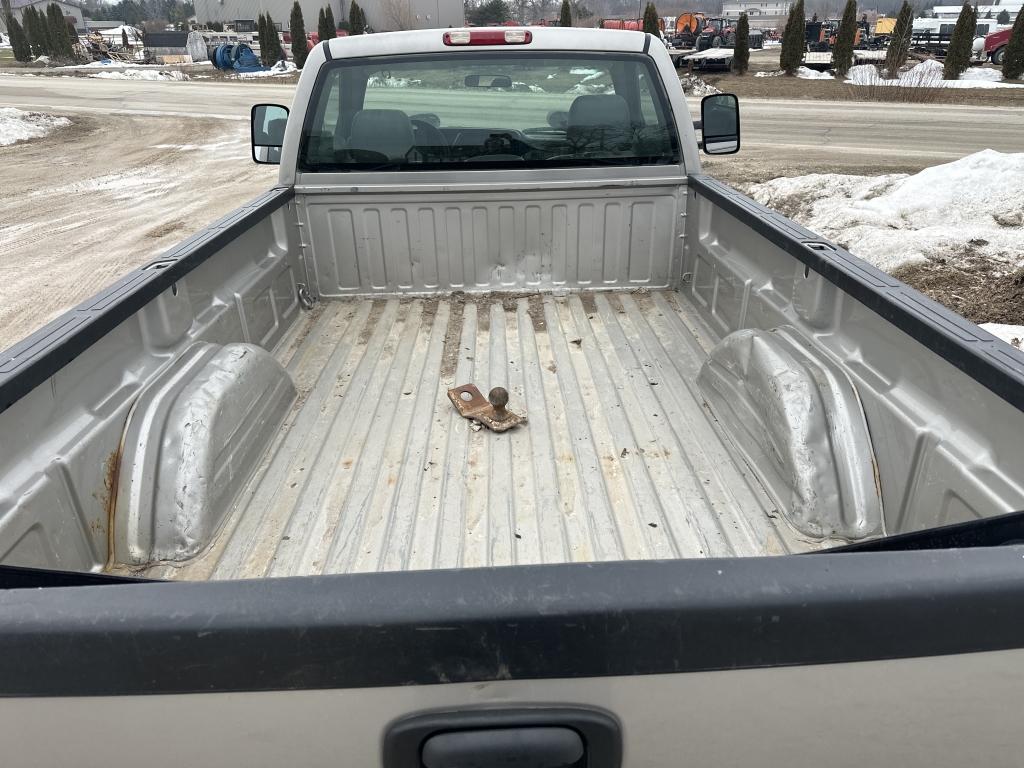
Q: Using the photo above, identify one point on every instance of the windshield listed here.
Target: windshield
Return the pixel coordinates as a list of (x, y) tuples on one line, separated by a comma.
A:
[(523, 110)]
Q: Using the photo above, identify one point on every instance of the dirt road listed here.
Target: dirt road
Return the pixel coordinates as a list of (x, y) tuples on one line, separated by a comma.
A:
[(85, 204), (148, 163)]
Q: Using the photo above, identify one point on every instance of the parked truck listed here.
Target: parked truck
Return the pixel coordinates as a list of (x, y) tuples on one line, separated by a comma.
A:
[(498, 433)]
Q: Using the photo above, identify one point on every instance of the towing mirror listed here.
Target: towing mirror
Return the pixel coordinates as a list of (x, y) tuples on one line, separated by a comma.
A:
[(268, 122), (720, 123)]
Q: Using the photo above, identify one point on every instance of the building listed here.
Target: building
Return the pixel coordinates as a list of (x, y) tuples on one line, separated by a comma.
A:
[(71, 10), (762, 14), (381, 15), (984, 11)]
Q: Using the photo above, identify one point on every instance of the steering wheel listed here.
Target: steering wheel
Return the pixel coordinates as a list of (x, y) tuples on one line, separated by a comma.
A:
[(429, 138)]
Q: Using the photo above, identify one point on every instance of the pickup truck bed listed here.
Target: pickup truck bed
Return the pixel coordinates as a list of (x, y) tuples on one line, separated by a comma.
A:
[(374, 470)]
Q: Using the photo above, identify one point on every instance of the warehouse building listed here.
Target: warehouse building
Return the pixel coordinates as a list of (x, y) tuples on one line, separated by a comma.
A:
[(381, 15), (763, 14)]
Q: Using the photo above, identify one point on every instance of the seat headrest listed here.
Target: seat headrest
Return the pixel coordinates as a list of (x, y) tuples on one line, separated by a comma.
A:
[(387, 131), (603, 110)]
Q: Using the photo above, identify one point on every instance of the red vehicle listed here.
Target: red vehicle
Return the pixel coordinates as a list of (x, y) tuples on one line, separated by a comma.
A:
[(995, 45)]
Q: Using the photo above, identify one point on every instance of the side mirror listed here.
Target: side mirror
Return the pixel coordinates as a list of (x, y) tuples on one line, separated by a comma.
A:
[(720, 124), (268, 122)]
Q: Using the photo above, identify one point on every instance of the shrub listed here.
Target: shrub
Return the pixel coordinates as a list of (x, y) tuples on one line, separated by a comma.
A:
[(793, 40), (565, 15), (356, 19), (651, 20), (332, 28), (899, 44)]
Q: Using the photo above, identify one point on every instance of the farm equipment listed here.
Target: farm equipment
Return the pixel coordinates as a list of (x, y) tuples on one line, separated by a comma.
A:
[(721, 33), (995, 45), (687, 29), (634, 25)]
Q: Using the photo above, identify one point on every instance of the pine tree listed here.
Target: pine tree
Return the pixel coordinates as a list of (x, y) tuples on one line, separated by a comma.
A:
[(321, 25), (793, 37), (651, 20), (19, 41), (741, 49), (277, 52), (35, 34), (261, 32), (356, 20), (842, 53), (298, 30), (124, 38), (899, 43), (1004, 17), (58, 28), (565, 15), (958, 56), (1013, 56), (332, 27)]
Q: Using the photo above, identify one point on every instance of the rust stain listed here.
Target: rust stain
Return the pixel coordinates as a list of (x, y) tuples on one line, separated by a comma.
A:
[(111, 476), (347, 463)]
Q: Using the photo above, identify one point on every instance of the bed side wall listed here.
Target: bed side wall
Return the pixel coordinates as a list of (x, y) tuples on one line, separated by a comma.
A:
[(61, 440), (948, 448)]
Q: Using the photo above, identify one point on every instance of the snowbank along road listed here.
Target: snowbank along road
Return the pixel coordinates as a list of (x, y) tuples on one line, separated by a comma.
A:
[(147, 163)]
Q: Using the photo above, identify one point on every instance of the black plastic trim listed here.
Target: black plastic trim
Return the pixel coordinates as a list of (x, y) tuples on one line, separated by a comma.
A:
[(997, 531), (647, 42), (977, 353), (327, 50), (36, 358), (491, 624)]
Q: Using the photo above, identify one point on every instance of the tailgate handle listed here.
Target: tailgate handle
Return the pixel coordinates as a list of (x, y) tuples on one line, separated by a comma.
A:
[(523, 737), (507, 747)]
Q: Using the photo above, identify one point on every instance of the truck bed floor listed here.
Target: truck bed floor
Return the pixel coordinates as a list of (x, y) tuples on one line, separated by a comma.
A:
[(374, 470)]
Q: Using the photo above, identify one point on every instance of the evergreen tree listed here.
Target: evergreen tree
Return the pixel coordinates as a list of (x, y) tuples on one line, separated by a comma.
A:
[(792, 54), (124, 38), (298, 30), (19, 40), (651, 20), (275, 40), (958, 56), (321, 25), (34, 32), (565, 15), (356, 20), (1013, 55), (842, 53), (741, 49), (899, 43), (1004, 17), (261, 32), (332, 27), (60, 42)]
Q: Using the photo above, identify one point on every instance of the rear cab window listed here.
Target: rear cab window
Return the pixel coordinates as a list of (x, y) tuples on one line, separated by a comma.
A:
[(488, 110)]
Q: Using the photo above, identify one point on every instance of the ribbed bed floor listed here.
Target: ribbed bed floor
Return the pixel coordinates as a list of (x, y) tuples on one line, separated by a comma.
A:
[(374, 470)]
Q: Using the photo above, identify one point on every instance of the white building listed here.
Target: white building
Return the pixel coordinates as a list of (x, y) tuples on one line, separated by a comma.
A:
[(381, 15), (984, 11), (762, 14), (69, 9)]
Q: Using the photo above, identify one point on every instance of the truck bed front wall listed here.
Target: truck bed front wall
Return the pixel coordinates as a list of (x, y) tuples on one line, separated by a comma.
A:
[(493, 239)]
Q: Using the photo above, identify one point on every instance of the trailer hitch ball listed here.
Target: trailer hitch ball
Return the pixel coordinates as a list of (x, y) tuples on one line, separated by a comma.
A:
[(498, 398)]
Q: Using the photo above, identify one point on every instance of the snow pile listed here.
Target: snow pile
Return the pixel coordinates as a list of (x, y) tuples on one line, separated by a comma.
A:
[(805, 73), (970, 208), (288, 67), (927, 74), (776, 73), (17, 125), (1011, 334), (586, 88), (694, 86), (5, 42), (141, 74)]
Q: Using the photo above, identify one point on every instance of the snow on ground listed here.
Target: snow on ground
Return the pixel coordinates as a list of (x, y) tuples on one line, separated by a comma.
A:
[(695, 86), (1011, 334), (17, 125), (141, 74), (968, 209), (774, 73), (287, 67), (927, 74), (805, 73)]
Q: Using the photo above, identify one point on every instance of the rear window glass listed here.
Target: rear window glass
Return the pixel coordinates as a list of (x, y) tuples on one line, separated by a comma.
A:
[(432, 112)]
